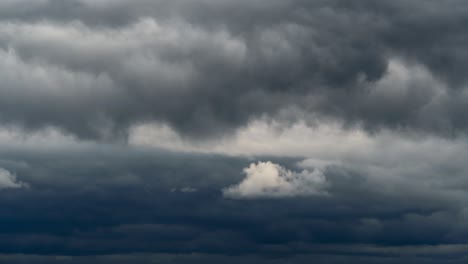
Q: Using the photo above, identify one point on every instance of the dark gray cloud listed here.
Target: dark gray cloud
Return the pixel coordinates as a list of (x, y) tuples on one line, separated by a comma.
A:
[(101, 200), (100, 70), (94, 68)]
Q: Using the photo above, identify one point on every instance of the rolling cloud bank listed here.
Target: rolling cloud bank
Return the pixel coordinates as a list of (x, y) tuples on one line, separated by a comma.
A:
[(208, 131)]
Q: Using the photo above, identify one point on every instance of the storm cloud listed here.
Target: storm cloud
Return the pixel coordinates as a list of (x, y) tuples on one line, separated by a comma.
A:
[(207, 68), (208, 131), (107, 200)]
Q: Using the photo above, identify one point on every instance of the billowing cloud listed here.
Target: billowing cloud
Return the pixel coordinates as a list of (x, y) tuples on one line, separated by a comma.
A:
[(8, 180), (267, 179), (132, 120), (203, 69)]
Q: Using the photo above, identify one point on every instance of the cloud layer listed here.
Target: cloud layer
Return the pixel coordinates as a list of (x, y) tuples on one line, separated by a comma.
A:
[(127, 129), (203, 69)]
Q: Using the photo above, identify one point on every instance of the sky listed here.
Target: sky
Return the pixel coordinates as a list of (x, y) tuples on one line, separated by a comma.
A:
[(228, 131)]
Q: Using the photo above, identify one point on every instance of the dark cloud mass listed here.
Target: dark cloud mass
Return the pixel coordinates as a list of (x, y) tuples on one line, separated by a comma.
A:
[(208, 67), (104, 201), (233, 131)]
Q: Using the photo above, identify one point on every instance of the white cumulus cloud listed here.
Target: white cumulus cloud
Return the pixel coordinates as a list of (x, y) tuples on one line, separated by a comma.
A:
[(8, 180), (270, 180)]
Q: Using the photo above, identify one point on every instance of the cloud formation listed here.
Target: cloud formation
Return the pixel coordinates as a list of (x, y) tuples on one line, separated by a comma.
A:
[(270, 180), (204, 70), (121, 201), (359, 107), (9, 181)]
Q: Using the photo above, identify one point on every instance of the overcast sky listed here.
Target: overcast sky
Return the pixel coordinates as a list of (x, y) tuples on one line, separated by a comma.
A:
[(233, 131)]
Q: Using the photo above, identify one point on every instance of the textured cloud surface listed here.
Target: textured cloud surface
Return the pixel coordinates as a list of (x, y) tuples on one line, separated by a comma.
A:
[(127, 128), (266, 179), (208, 67)]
